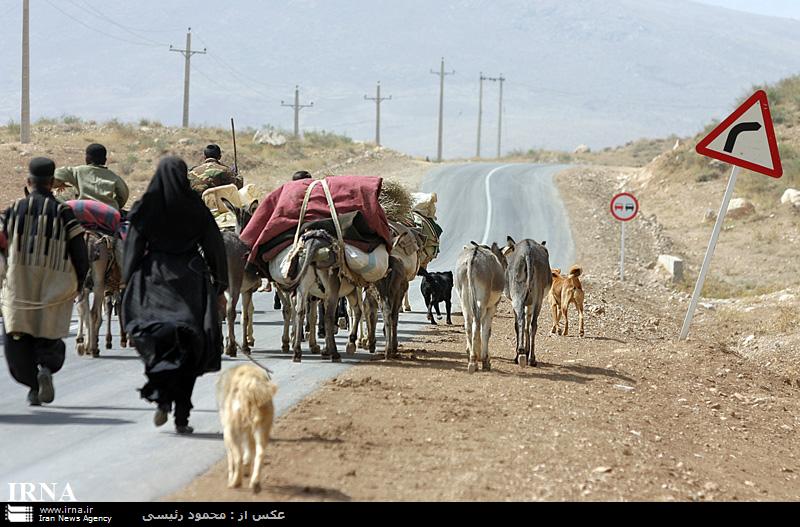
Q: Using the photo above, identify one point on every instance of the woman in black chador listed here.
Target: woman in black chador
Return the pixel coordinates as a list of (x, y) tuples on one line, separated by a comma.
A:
[(175, 274)]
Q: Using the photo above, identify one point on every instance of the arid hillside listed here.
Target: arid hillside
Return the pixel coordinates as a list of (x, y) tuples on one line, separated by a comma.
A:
[(134, 151)]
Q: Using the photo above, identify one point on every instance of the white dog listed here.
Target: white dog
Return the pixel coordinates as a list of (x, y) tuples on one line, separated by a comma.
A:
[(244, 396)]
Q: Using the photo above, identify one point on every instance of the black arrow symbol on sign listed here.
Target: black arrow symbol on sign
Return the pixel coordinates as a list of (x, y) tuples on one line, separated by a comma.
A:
[(738, 129)]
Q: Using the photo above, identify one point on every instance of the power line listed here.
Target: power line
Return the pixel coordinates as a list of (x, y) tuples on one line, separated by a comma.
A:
[(109, 35), (243, 76), (99, 14)]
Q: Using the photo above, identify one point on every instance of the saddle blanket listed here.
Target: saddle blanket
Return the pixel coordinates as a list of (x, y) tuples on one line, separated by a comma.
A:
[(279, 213), (96, 216)]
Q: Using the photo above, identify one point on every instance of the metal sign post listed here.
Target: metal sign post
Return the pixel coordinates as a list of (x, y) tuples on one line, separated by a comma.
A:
[(712, 244), (622, 254), (624, 207), (746, 139)]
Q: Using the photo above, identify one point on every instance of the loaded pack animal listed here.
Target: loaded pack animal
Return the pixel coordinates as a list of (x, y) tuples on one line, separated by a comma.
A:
[(480, 280), (436, 288), (566, 290), (242, 281), (104, 281), (316, 268), (528, 279), (406, 245), (387, 293), (246, 411)]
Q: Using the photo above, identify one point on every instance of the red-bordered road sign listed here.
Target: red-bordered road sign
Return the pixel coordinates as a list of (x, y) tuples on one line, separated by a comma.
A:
[(746, 138), (624, 206)]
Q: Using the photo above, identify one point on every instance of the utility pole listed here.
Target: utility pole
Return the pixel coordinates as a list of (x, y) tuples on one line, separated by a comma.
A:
[(441, 73), (480, 113), (25, 110), (187, 53), (501, 79), (297, 107), (378, 99)]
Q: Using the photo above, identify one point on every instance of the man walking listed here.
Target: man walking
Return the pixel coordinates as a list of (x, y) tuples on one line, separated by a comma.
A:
[(47, 263)]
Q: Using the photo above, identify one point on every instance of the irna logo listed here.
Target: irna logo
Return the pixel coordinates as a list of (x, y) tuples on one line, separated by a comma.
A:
[(40, 492)]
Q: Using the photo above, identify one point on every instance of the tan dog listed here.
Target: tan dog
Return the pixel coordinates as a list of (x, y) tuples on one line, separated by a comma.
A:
[(244, 397), (566, 290)]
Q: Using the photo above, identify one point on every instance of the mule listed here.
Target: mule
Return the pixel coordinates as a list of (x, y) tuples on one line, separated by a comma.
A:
[(480, 280), (528, 279)]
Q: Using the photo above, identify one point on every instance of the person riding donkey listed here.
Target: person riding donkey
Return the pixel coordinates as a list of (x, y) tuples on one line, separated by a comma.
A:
[(47, 263), (94, 180), (101, 196), (213, 173)]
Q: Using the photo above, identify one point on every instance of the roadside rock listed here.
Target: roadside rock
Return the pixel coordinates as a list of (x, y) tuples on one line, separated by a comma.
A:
[(582, 149), (791, 196), (673, 265), (268, 136), (740, 208)]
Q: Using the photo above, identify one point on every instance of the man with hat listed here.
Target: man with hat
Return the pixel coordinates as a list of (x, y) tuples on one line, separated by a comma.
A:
[(212, 173), (94, 180), (47, 262)]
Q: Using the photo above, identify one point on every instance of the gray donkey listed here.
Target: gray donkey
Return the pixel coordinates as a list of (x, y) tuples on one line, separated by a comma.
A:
[(241, 280), (528, 280), (480, 281)]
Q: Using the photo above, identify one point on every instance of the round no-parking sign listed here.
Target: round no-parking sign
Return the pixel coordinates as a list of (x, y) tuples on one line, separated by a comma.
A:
[(624, 206)]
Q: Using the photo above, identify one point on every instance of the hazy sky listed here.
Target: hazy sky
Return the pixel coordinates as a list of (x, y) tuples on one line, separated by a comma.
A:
[(783, 8), (578, 72)]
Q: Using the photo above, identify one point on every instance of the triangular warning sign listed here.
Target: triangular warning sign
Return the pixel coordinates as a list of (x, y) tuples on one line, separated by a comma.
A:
[(746, 138)]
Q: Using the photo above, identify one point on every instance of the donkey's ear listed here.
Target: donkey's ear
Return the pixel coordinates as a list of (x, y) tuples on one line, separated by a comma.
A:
[(27, 192), (510, 241), (228, 205), (253, 207)]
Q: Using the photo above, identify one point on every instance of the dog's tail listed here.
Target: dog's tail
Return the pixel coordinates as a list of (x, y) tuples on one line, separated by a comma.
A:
[(575, 271), (253, 392)]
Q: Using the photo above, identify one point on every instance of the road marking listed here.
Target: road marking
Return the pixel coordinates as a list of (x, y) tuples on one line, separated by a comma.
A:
[(485, 239)]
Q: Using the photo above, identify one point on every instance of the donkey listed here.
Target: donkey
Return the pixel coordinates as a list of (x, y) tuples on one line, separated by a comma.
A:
[(528, 279), (102, 282), (389, 293), (315, 272), (407, 246), (242, 281), (480, 279)]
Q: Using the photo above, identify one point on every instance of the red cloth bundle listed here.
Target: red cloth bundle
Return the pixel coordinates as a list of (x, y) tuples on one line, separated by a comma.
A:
[(280, 211), (96, 216)]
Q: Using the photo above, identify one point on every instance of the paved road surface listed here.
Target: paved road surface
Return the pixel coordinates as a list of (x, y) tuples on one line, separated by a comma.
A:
[(98, 435)]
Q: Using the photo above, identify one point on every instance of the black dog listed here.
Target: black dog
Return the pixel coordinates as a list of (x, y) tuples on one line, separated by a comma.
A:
[(436, 287)]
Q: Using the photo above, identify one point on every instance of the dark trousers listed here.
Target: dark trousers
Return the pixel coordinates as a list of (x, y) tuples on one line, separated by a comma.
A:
[(25, 353), (174, 389), (183, 399)]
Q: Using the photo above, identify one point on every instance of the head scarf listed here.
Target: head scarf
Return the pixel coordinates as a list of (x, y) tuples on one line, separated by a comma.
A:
[(170, 214)]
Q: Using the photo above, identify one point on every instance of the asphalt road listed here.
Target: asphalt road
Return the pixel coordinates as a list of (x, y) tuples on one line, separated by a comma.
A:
[(98, 434)]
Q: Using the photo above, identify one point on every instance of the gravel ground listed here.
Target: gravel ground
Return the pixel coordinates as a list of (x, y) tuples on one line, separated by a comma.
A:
[(622, 414)]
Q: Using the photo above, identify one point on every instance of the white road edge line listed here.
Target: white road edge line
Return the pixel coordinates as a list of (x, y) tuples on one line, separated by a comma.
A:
[(485, 239)]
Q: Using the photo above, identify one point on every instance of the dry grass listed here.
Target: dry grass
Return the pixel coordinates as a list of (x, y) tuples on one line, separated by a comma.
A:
[(135, 148)]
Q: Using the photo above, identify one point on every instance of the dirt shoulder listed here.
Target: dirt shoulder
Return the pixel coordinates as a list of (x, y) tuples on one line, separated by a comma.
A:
[(623, 414)]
